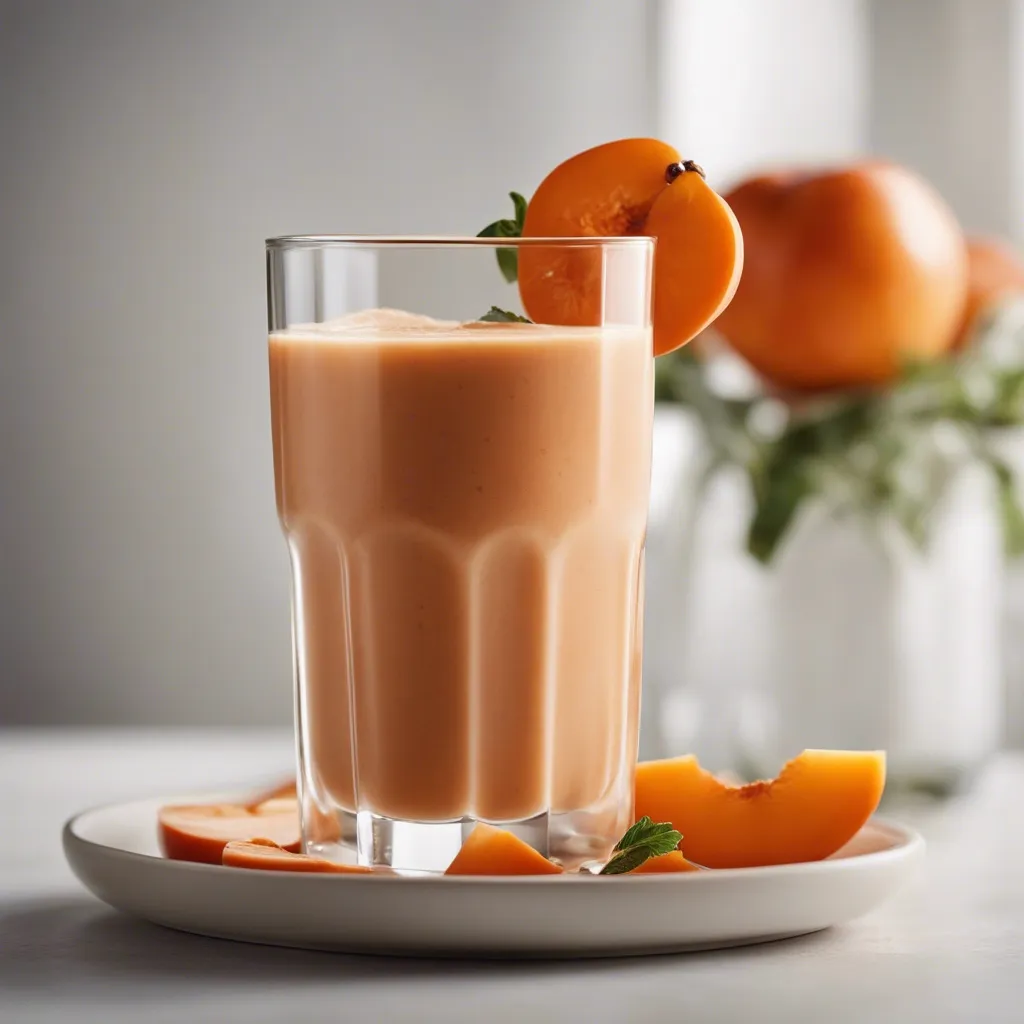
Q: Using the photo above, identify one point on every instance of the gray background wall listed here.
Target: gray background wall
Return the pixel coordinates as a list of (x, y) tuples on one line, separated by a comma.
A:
[(146, 150)]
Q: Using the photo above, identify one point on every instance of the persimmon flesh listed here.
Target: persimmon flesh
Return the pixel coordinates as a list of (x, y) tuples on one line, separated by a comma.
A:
[(200, 832), (631, 187), (496, 851)]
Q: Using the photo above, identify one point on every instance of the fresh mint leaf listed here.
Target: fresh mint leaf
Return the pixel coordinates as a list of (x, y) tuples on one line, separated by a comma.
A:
[(503, 316), (499, 229), (778, 498), (642, 841), (520, 207), (508, 264), (508, 259), (1011, 513)]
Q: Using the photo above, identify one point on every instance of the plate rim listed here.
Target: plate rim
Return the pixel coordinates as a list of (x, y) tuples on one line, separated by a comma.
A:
[(909, 843)]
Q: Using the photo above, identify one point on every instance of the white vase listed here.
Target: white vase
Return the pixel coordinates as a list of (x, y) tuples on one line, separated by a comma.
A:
[(851, 638)]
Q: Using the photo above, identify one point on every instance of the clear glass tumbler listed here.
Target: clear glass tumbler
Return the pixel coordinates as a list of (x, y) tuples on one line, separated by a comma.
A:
[(465, 507)]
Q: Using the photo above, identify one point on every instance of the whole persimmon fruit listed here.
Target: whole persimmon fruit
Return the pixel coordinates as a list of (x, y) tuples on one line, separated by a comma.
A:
[(849, 274)]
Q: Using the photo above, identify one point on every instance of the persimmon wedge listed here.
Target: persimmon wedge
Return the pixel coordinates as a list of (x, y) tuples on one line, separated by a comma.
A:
[(495, 851), (199, 832), (817, 804), (697, 262), (631, 187), (265, 855)]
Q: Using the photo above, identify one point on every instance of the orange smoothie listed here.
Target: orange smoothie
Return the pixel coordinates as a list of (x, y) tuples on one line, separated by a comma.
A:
[(465, 508)]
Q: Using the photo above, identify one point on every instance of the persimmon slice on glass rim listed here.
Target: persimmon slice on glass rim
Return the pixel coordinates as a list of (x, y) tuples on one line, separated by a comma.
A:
[(623, 188)]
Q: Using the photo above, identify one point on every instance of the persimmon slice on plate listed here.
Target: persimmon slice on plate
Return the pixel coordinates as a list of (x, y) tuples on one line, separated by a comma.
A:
[(199, 832), (495, 851), (623, 188), (819, 802)]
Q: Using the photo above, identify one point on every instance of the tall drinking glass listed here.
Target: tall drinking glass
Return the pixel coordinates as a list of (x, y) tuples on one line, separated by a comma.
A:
[(465, 506)]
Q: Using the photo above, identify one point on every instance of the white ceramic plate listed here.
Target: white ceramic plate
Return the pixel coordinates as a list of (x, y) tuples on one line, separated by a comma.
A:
[(113, 850)]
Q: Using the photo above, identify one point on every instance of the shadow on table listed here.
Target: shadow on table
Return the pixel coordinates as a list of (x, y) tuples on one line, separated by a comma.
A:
[(74, 943)]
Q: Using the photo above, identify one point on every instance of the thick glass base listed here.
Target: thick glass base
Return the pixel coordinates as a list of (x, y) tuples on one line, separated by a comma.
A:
[(570, 839)]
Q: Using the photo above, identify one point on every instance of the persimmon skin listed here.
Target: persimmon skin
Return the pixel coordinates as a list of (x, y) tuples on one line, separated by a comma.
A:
[(849, 274), (623, 188), (606, 190), (819, 801), (495, 851)]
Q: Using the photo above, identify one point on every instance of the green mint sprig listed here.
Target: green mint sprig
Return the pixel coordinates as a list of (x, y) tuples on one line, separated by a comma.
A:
[(503, 316), (642, 841), (508, 259)]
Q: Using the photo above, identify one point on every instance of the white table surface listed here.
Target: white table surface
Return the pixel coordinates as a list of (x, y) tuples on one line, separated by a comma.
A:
[(948, 948)]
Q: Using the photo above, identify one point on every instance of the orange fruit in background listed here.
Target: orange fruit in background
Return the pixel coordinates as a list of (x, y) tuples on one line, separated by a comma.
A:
[(849, 274), (266, 855), (818, 803), (995, 271), (495, 851), (631, 187)]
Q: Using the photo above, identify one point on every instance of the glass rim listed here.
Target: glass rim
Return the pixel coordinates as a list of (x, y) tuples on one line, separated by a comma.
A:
[(453, 241)]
